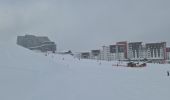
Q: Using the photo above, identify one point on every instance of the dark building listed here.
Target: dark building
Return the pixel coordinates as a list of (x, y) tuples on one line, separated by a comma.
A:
[(117, 49), (135, 50), (168, 49), (123, 46), (120, 47), (95, 52), (168, 53), (113, 48), (32, 42), (156, 50), (85, 55)]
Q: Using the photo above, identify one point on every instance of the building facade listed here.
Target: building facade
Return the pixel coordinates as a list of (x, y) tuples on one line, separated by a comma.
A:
[(85, 55), (105, 53), (168, 53), (153, 52), (95, 54), (156, 52), (135, 51), (117, 51), (123, 47)]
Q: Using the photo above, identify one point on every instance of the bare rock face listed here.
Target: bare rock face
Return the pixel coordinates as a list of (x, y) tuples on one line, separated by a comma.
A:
[(32, 42)]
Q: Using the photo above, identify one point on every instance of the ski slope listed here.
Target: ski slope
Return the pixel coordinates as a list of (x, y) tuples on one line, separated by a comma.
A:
[(26, 75)]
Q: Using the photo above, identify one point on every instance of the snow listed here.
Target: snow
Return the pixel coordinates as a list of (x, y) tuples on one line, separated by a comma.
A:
[(27, 75)]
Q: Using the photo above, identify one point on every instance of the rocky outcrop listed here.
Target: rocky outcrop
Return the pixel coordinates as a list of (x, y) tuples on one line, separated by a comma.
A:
[(32, 42)]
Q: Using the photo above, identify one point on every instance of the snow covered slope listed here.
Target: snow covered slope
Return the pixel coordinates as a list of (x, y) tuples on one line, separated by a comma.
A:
[(25, 75), (21, 71)]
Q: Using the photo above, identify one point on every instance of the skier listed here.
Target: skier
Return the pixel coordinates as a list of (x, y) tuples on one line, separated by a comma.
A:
[(167, 73)]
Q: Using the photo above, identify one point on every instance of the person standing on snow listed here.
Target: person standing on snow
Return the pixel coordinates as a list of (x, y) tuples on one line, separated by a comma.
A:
[(167, 73)]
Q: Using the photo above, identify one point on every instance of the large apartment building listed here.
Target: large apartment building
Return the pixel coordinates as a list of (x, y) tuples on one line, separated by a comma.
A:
[(154, 52), (123, 46), (85, 55), (117, 51), (135, 50), (95, 54), (105, 53), (168, 53)]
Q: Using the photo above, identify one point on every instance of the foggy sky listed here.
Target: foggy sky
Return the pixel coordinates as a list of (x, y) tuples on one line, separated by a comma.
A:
[(81, 25)]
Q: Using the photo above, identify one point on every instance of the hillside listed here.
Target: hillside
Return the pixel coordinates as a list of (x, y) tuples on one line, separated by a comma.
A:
[(26, 75)]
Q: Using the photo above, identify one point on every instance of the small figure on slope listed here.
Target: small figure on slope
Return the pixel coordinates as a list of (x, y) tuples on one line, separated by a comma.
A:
[(167, 73)]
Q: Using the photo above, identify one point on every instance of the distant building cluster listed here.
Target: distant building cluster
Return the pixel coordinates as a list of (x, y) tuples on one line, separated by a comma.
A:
[(153, 52), (40, 43)]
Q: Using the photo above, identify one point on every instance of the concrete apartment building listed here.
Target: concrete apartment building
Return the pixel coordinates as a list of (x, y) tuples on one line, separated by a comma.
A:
[(95, 54), (168, 54), (40, 43), (156, 52), (105, 53), (135, 51), (118, 51), (122, 48), (153, 52), (85, 55), (114, 52)]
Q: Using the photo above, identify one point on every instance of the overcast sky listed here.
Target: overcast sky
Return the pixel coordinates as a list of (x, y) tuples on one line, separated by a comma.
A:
[(82, 25)]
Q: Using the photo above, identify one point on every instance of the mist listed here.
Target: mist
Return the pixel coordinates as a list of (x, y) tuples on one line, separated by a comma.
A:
[(81, 25)]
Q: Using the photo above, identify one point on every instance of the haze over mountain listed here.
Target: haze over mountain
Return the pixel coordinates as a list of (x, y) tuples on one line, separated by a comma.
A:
[(86, 24)]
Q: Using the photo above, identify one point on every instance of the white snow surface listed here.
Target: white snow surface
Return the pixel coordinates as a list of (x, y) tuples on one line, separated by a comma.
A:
[(26, 75)]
